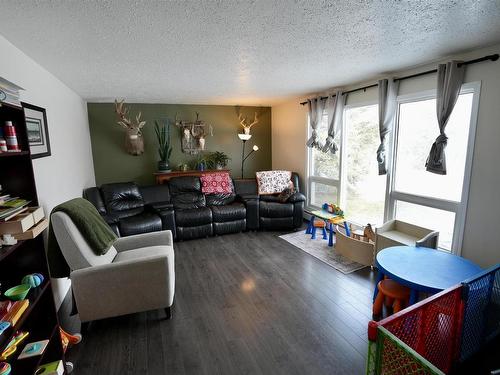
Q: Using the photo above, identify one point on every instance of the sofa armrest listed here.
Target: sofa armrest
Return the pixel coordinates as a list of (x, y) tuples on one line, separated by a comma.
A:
[(297, 197), (137, 241), (125, 287), (251, 202), (159, 206), (246, 197), (431, 241), (111, 218)]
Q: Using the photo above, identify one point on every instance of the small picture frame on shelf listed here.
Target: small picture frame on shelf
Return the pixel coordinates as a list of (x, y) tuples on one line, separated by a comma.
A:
[(37, 130)]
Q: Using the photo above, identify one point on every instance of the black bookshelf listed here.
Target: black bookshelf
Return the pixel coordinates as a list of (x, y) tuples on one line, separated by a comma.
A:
[(16, 261)]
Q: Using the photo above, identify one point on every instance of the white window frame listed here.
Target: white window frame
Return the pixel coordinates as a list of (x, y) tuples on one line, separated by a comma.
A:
[(459, 208), (323, 180)]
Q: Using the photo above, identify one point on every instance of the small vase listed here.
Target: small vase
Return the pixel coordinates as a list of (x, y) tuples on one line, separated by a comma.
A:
[(163, 166)]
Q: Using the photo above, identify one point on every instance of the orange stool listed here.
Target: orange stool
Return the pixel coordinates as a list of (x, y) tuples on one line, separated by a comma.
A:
[(319, 224), (393, 294)]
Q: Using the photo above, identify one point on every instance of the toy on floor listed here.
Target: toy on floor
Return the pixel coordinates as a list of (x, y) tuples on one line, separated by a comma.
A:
[(68, 339), (319, 224), (366, 234)]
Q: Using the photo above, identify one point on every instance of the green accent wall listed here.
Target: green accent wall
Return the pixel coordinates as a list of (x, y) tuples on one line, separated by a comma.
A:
[(113, 164)]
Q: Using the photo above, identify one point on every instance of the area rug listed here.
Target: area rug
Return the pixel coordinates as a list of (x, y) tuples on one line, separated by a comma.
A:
[(319, 248)]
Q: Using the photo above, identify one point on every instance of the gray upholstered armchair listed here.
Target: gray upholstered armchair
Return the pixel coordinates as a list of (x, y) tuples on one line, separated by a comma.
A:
[(136, 274)]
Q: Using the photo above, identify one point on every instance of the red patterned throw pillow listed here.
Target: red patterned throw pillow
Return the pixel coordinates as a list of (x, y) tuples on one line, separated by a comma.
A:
[(216, 183)]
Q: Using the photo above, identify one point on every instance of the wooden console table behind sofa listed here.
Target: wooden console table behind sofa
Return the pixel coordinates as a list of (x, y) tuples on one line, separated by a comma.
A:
[(162, 177)]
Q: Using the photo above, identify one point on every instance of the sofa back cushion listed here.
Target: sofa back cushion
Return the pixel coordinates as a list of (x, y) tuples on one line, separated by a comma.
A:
[(155, 193), (184, 184), (273, 182), (122, 196), (186, 201), (295, 181), (94, 196), (216, 183), (247, 186)]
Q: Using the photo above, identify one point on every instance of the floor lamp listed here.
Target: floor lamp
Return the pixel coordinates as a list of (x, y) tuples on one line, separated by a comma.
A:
[(244, 138)]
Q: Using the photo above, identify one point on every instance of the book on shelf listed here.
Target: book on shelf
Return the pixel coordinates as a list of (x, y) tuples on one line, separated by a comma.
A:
[(12, 207), (14, 203)]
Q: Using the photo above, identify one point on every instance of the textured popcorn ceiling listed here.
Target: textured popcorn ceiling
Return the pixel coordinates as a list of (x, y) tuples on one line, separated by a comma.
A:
[(237, 52)]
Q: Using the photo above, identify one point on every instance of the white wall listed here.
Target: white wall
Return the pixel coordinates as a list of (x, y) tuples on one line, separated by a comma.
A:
[(69, 169), (480, 244)]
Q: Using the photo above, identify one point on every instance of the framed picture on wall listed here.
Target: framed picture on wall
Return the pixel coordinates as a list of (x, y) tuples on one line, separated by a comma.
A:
[(38, 130)]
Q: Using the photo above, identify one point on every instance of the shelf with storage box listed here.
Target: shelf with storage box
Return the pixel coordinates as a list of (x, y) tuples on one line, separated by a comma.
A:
[(27, 256)]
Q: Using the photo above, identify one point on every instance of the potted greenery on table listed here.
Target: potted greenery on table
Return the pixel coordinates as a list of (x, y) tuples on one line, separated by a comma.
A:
[(219, 160), (164, 147)]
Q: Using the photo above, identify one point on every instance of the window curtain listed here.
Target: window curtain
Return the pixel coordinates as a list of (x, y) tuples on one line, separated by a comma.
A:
[(316, 107), (387, 105), (449, 81), (335, 111)]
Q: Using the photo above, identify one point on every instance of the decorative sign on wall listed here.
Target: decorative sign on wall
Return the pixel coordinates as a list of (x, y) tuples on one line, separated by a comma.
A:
[(193, 134)]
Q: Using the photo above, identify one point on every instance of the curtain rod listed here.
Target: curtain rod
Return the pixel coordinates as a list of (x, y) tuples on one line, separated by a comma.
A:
[(481, 59)]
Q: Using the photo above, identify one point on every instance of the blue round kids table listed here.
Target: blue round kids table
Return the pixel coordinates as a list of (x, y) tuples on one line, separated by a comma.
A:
[(422, 269)]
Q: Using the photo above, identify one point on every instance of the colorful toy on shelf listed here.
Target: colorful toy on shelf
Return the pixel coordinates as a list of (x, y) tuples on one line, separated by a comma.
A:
[(18, 292), (333, 209), (33, 280), (4, 368), (3, 327), (16, 311), (33, 349), (11, 347)]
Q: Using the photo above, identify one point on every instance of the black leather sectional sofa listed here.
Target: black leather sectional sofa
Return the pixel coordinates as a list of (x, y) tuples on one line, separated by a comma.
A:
[(181, 207)]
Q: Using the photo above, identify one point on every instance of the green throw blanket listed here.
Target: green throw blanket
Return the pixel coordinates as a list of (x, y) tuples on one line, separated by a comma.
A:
[(91, 225)]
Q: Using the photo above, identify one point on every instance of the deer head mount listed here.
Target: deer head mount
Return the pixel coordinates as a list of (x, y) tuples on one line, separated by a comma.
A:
[(134, 143), (244, 123)]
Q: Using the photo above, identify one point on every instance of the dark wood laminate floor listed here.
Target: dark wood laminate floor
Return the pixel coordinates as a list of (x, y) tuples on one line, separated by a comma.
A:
[(246, 303)]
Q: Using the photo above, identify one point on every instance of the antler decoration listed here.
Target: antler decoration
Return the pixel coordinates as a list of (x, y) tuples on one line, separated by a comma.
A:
[(245, 125), (134, 144)]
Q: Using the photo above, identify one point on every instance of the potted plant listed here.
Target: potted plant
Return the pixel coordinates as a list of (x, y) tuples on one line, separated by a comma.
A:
[(219, 160), (164, 147)]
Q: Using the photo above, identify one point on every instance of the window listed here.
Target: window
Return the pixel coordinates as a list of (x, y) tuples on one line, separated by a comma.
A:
[(324, 171), (363, 195), (408, 193), (428, 199)]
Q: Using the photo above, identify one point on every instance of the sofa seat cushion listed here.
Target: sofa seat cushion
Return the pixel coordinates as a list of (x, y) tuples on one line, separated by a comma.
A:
[(275, 210), (141, 253), (193, 217), (142, 223), (231, 212), (219, 199)]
